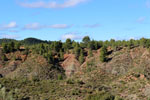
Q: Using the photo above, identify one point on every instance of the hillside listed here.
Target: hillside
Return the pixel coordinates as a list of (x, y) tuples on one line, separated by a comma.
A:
[(27, 41), (6, 40), (57, 71), (32, 41)]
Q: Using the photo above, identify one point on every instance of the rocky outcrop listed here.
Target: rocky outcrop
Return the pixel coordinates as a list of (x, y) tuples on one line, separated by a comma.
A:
[(10, 68), (71, 65)]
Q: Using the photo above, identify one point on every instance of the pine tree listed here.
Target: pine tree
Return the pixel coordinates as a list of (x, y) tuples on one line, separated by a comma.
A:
[(74, 44), (81, 57), (4, 58), (61, 55), (41, 49), (96, 46), (90, 45), (11, 46), (26, 52), (17, 46), (90, 54), (142, 42), (103, 54), (5, 48), (77, 50), (85, 41), (147, 45), (50, 57), (68, 44), (57, 46), (129, 45)]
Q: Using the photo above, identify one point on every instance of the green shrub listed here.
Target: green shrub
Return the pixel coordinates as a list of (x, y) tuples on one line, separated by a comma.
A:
[(70, 81), (5, 95), (4, 58), (76, 92), (103, 54), (118, 98), (102, 96), (60, 77)]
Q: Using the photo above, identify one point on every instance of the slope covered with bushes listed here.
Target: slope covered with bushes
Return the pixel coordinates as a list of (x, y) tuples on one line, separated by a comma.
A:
[(87, 70)]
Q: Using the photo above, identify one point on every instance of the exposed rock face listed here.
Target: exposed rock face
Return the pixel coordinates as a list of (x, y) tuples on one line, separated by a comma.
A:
[(31, 66), (71, 65), (35, 67), (119, 64), (10, 68), (124, 60)]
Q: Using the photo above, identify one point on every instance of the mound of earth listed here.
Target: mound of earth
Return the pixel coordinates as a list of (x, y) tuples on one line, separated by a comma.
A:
[(36, 67), (29, 66), (71, 65)]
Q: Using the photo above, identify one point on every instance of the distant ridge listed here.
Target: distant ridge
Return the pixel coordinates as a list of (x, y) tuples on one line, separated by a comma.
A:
[(27, 41), (32, 41)]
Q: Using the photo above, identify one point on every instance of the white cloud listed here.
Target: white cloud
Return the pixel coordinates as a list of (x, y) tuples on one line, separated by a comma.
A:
[(8, 26), (72, 36), (9, 36), (33, 26), (92, 25), (50, 4), (60, 26), (141, 19), (37, 26)]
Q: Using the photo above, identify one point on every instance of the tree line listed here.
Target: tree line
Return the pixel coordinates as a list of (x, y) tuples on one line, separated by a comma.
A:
[(54, 51)]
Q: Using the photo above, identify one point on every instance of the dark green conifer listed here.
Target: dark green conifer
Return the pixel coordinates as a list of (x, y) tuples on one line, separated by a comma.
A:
[(103, 54)]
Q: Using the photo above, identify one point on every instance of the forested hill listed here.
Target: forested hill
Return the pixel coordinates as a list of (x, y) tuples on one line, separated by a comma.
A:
[(112, 42), (32, 41), (27, 41)]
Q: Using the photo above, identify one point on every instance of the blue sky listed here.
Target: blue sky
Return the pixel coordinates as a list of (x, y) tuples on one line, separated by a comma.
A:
[(61, 19)]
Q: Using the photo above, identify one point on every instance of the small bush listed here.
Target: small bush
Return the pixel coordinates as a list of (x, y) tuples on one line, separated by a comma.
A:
[(76, 92), (70, 81), (60, 77), (102, 96), (4, 58)]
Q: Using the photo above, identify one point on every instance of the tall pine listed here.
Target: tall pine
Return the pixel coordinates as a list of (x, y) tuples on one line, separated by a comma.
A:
[(103, 54), (81, 57)]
